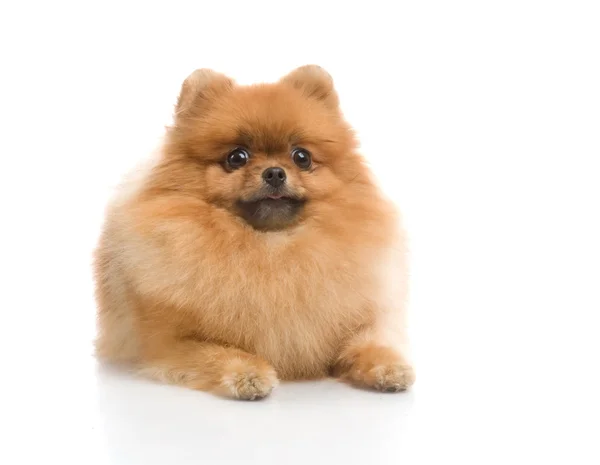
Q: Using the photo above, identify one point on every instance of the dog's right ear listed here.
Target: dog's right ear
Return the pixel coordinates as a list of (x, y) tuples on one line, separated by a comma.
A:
[(314, 82), (199, 89)]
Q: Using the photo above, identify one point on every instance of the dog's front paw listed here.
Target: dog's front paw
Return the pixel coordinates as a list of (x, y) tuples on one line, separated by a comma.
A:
[(248, 379), (390, 378), (375, 367)]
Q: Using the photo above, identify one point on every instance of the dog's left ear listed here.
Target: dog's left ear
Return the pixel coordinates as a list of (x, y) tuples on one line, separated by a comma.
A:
[(315, 83), (201, 88)]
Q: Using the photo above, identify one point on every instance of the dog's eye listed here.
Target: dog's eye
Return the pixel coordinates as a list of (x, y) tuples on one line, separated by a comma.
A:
[(302, 158), (237, 158)]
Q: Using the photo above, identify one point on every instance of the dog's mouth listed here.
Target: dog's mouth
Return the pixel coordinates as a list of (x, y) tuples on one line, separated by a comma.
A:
[(272, 211)]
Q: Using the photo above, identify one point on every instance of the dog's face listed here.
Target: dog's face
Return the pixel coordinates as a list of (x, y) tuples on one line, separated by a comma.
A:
[(262, 152)]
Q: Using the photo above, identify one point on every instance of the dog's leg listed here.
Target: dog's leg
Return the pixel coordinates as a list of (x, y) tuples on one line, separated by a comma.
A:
[(210, 367), (369, 362)]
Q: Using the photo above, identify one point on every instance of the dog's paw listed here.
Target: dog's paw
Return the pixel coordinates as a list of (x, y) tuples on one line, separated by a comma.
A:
[(376, 367), (248, 379), (390, 378)]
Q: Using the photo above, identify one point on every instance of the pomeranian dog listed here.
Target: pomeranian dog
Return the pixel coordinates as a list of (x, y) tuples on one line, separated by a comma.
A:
[(255, 247)]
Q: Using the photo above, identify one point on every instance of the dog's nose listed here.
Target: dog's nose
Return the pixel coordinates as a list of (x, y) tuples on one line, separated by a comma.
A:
[(274, 176)]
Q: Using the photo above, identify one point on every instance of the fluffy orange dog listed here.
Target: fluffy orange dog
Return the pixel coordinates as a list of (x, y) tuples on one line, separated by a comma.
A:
[(256, 247)]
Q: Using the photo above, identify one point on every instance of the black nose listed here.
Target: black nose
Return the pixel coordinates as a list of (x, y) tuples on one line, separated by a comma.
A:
[(274, 176)]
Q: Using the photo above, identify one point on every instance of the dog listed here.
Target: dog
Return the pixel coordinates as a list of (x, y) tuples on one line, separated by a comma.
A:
[(254, 247)]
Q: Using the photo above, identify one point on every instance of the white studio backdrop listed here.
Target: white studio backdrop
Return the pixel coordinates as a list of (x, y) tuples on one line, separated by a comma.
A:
[(481, 119)]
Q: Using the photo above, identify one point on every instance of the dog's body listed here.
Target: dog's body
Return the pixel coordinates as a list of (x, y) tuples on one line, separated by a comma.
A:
[(215, 274)]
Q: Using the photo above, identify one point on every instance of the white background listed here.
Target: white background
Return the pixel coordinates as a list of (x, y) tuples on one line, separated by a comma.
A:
[(482, 119)]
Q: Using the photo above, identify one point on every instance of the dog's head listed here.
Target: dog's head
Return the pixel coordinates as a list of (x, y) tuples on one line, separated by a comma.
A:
[(262, 152)]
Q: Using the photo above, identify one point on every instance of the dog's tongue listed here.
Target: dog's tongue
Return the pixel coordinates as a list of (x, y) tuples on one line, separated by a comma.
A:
[(275, 197)]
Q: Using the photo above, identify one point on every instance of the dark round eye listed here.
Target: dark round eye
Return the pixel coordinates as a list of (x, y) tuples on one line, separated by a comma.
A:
[(237, 158), (302, 158)]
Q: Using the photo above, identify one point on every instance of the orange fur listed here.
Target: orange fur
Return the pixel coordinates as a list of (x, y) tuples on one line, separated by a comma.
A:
[(190, 293)]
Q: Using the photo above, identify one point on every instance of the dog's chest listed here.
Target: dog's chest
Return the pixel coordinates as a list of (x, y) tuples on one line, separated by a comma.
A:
[(295, 310)]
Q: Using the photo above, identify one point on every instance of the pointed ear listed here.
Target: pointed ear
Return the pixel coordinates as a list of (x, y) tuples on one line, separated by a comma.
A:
[(197, 91), (315, 83)]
